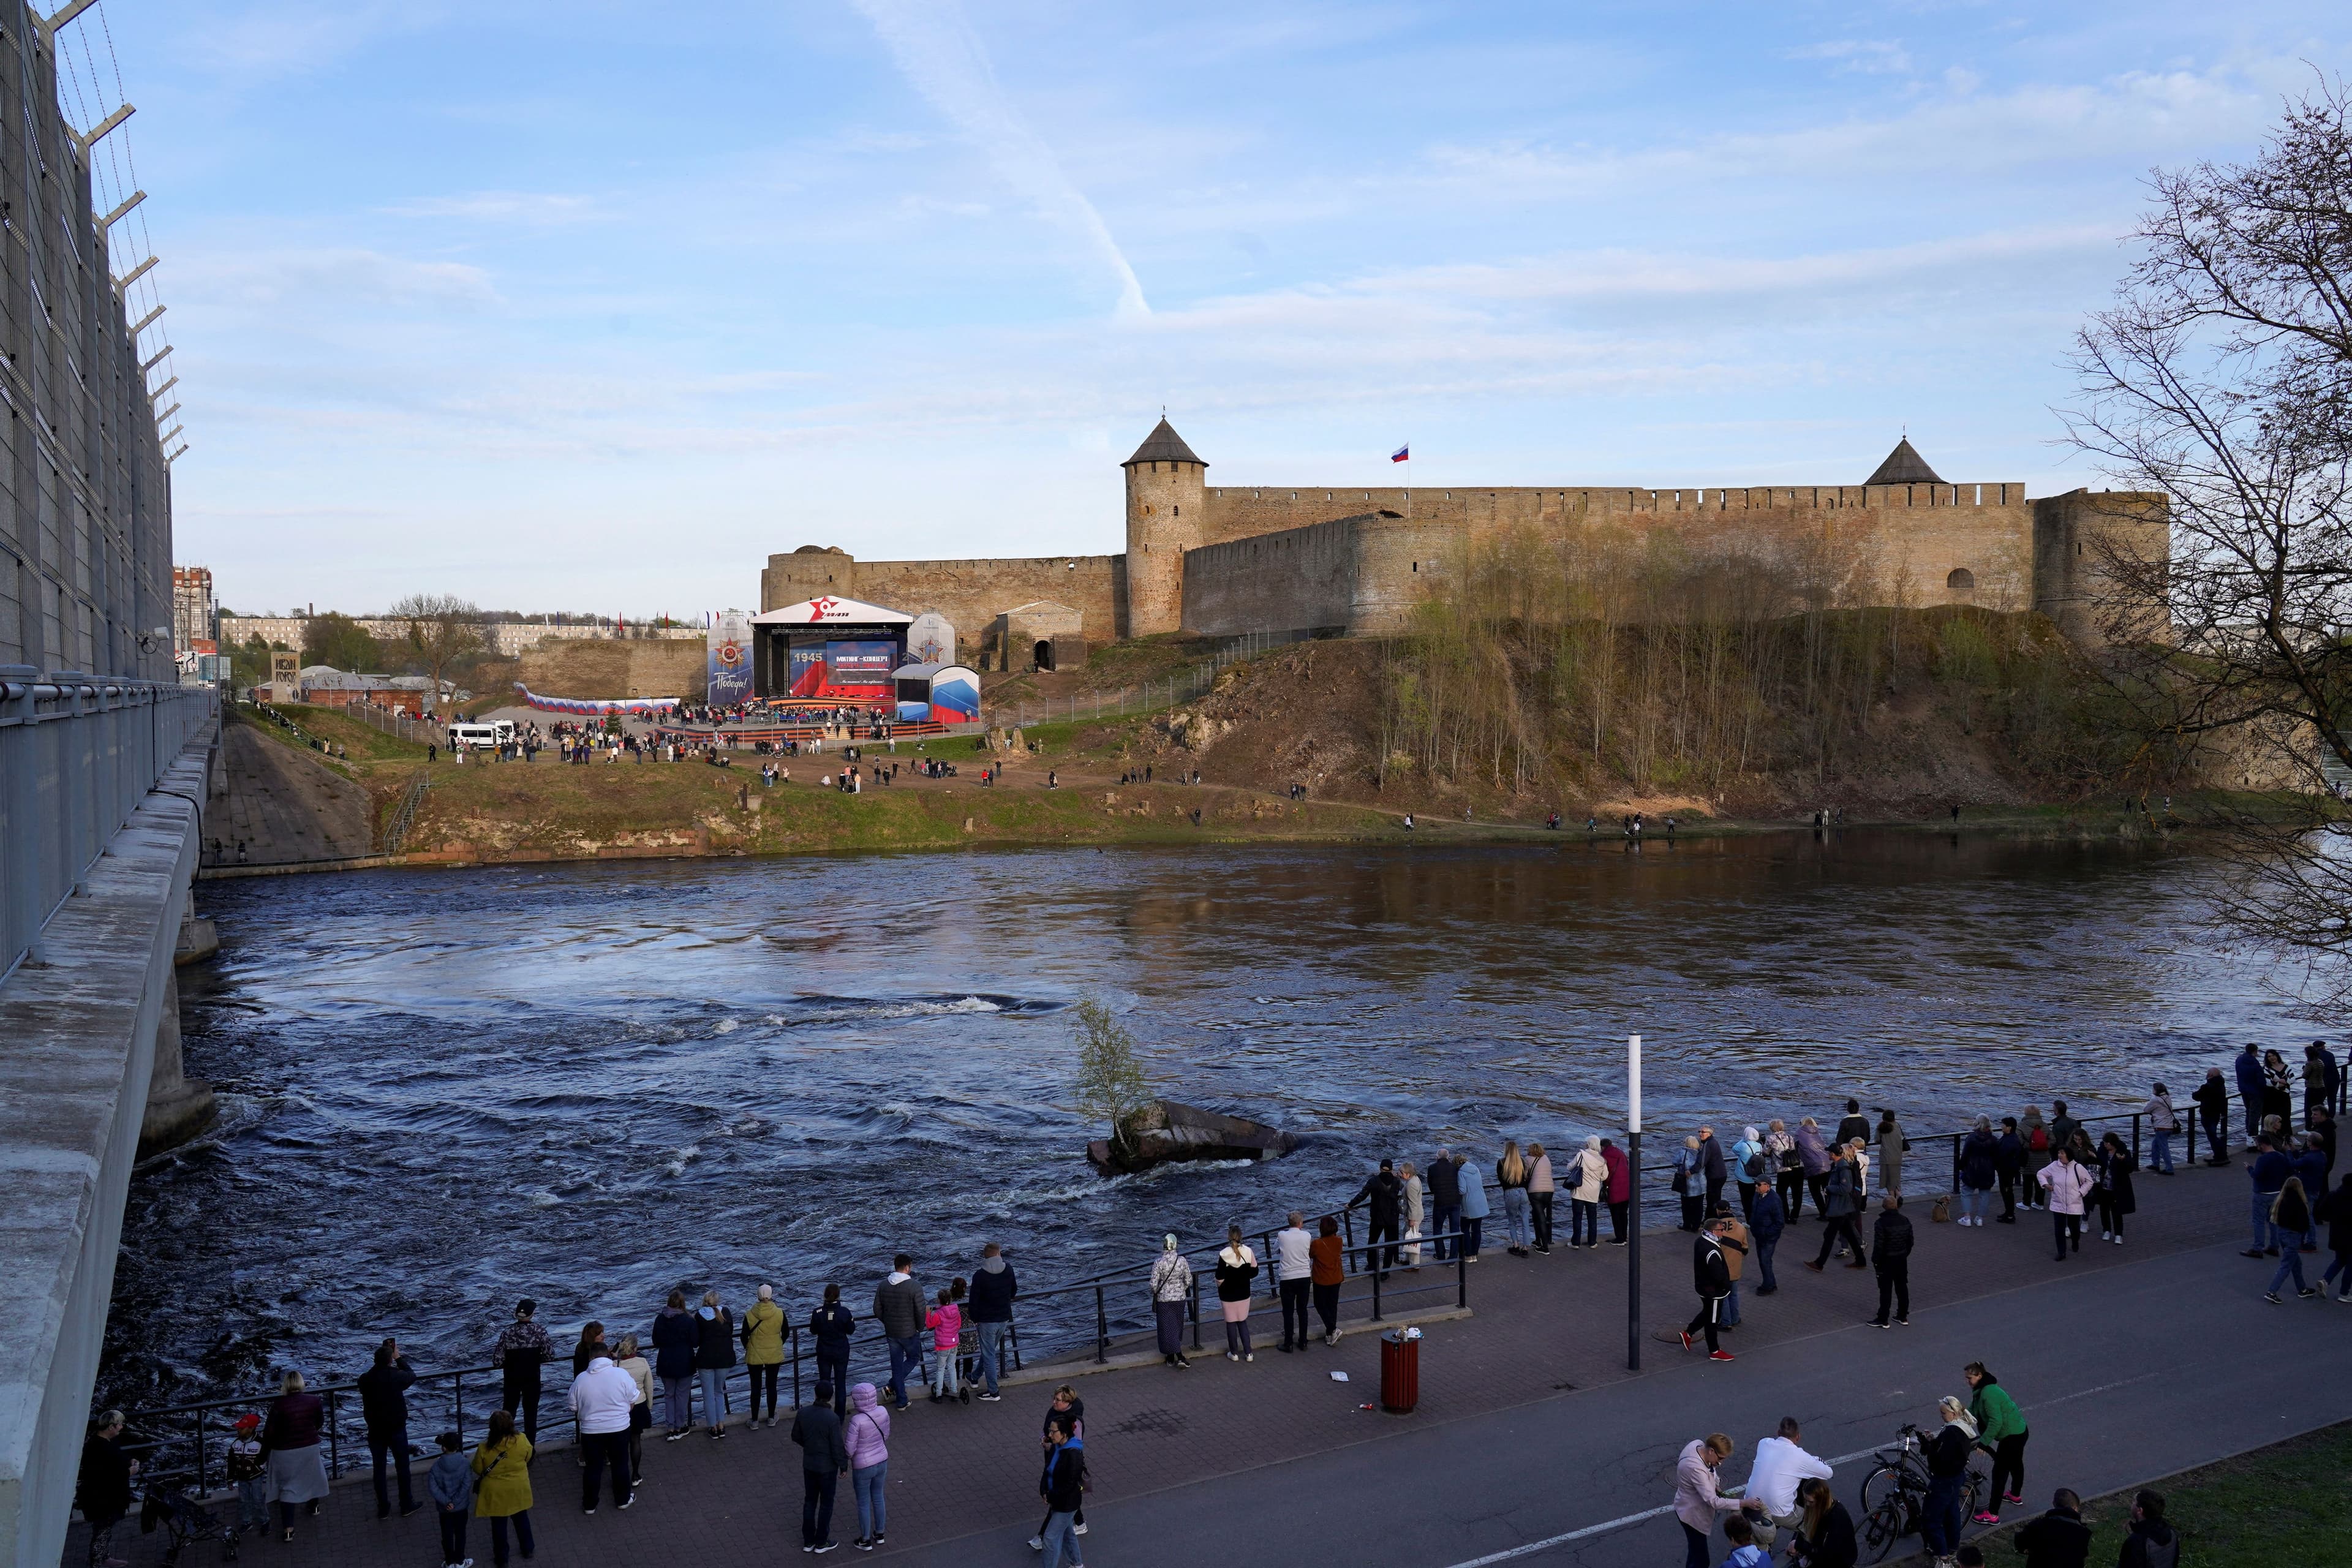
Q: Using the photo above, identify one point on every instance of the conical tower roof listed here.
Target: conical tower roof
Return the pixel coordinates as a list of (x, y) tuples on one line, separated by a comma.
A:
[(1162, 446), (1905, 466)]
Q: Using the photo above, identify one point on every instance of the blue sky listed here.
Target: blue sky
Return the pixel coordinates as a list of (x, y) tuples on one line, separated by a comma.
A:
[(592, 307)]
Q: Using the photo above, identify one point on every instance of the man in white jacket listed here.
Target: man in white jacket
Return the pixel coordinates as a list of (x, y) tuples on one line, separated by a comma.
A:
[(1294, 1270), (601, 1398), (1772, 1480)]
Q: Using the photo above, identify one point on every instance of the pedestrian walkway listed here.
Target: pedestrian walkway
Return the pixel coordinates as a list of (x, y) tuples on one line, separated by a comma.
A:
[(1530, 1425)]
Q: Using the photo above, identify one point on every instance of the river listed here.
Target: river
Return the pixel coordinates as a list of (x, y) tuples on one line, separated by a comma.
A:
[(445, 1089)]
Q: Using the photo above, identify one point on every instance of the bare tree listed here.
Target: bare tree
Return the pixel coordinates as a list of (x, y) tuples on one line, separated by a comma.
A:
[(1110, 1080), (2221, 376), (443, 631)]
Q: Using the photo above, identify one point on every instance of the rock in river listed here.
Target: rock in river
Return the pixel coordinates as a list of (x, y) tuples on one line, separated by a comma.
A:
[(1164, 1131)]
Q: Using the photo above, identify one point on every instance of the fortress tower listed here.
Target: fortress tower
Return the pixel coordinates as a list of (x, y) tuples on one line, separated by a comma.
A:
[(1166, 506)]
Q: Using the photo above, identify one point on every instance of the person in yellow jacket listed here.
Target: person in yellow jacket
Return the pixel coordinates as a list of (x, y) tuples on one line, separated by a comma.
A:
[(502, 1486), (763, 1350)]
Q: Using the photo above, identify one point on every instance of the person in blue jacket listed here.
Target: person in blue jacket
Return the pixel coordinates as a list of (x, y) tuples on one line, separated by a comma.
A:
[(2269, 1174), (1474, 1209)]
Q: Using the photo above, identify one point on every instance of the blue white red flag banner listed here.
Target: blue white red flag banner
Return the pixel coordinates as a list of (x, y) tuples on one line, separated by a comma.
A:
[(638, 705), (1402, 454)]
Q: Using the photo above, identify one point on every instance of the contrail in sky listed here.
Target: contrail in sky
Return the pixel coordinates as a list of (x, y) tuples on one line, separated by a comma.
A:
[(934, 45)]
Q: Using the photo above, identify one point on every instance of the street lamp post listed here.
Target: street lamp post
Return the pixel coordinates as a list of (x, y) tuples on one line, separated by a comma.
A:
[(1634, 1202)]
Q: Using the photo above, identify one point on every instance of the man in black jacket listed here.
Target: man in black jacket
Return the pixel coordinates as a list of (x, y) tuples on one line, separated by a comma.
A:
[(2059, 1539), (1890, 1251), (383, 1404), (1385, 1193), (1445, 1200), (830, 1326), (2151, 1543), (1712, 1167), (1711, 1274), (1854, 1124), (824, 1456), (102, 1488), (989, 1312), (2212, 1098), (2009, 1167)]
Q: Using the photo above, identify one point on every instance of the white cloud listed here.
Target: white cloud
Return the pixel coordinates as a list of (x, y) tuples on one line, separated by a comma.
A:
[(329, 278), (503, 207), (1872, 56), (934, 44)]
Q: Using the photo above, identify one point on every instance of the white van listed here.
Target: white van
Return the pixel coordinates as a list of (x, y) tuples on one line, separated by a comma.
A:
[(493, 734)]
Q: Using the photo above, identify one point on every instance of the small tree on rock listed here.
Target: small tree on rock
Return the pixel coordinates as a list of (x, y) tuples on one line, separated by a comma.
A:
[(1111, 1081)]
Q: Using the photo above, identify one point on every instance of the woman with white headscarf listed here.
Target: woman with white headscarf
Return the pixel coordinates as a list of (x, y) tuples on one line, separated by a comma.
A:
[(1587, 1179), (1172, 1287)]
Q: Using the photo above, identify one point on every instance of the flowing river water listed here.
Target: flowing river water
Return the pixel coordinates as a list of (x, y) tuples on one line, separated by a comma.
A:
[(443, 1090)]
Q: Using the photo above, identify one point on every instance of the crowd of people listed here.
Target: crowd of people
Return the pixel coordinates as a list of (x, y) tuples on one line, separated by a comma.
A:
[(950, 1340)]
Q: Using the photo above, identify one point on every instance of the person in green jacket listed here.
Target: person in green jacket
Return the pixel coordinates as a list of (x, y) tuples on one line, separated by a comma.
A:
[(2000, 1432), (763, 1350)]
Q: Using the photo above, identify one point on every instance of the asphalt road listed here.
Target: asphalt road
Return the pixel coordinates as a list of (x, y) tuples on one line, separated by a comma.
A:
[(2124, 1375)]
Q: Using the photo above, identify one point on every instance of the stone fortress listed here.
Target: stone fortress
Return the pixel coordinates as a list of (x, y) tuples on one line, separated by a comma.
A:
[(1224, 560)]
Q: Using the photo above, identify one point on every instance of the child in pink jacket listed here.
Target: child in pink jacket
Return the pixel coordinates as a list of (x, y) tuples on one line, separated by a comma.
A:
[(946, 1323)]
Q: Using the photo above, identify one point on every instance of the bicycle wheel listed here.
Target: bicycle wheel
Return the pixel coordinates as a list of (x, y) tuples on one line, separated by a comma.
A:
[(1882, 1486), (1881, 1529)]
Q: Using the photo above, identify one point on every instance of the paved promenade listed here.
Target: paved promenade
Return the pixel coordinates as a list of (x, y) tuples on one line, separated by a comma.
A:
[(2131, 1361)]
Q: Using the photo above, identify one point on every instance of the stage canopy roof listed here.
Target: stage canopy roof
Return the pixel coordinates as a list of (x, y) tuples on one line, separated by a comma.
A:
[(828, 611)]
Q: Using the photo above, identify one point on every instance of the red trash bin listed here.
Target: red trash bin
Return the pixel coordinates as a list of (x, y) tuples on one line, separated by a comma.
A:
[(1400, 1372)]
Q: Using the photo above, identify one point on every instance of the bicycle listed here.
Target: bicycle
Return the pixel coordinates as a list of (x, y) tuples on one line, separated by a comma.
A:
[(1895, 1495)]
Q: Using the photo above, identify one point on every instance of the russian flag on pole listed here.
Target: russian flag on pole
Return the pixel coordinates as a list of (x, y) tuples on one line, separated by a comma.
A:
[(1402, 454)]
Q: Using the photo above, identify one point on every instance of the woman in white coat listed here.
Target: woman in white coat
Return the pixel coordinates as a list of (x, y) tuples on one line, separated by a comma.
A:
[(1586, 1179)]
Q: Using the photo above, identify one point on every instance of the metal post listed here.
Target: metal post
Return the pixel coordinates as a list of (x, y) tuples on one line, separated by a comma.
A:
[(1196, 1311), (2192, 1137), (796, 1364), (1634, 1202), (334, 1432), (2135, 1137), (460, 1382), (1102, 1329), (1956, 1161), (1461, 1272), (1372, 1263)]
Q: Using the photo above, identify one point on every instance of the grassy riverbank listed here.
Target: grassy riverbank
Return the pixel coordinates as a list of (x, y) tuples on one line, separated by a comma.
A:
[(1316, 714), (2283, 1504)]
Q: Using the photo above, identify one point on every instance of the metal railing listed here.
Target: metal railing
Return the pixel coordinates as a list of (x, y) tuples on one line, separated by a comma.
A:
[(189, 1439), (1119, 1300), (2184, 1114), (78, 754), (395, 832)]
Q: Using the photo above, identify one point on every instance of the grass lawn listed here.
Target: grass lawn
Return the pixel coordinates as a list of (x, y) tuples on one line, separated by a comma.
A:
[(2288, 1504), (365, 742)]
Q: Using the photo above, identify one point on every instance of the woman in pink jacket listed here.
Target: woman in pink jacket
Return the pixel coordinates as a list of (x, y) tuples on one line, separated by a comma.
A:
[(2066, 1183), (867, 1437), (1620, 1194)]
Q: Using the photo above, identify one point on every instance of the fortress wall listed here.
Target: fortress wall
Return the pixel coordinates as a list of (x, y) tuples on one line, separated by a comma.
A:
[(1230, 512), (1398, 562), (2075, 536), (1294, 580), (970, 594), (1900, 543)]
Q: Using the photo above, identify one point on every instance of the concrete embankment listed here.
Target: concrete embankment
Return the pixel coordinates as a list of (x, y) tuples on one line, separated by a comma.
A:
[(91, 1023)]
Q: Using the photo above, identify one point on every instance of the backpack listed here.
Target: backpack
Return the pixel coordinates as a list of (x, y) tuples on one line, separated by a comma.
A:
[(1754, 1169), (2038, 1140)]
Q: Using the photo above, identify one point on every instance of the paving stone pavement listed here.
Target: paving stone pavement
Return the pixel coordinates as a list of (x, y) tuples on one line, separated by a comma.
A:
[(1542, 1329)]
